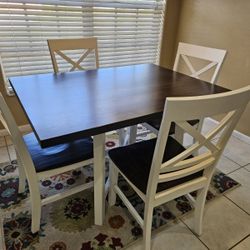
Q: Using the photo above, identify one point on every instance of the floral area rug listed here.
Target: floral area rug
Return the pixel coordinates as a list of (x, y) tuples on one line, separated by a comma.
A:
[(68, 224)]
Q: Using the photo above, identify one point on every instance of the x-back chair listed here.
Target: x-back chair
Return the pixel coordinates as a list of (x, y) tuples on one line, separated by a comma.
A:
[(161, 169), (36, 163), (57, 46), (214, 59)]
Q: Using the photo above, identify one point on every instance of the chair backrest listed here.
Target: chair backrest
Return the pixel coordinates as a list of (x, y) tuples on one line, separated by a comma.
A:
[(56, 46), (214, 56), (9, 123), (2, 74), (180, 110)]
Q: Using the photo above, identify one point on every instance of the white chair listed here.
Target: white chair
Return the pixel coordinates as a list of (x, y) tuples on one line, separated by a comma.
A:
[(161, 169), (213, 58), (36, 163), (57, 46)]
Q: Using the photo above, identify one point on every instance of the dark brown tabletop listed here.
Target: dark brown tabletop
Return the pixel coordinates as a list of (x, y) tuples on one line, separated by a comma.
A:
[(68, 106)]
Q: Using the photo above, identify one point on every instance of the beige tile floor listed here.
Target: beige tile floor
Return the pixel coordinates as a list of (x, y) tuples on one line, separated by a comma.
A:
[(226, 220)]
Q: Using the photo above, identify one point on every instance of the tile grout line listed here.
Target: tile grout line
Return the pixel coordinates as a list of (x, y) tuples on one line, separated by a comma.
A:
[(5, 142), (246, 169), (239, 242), (193, 233), (236, 205), (246, 164), (232, 171), (234, 161)]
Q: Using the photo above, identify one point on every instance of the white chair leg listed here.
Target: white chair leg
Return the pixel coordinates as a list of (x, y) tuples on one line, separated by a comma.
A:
[(113, 177), (122, 134), (36, 207), (132, 134), (148, 215), (179, 134), (22, 176), (199, 209), (199, 127)]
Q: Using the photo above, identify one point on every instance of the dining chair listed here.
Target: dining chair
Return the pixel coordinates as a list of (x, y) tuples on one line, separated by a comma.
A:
[(5, 80), (36, 163), (56, 46), (59, 46), (161, 169), (213, 59)]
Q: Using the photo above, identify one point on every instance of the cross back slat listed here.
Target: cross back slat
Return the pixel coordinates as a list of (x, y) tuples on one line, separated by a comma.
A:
[(179, 110), (56, 46), (214, 56), (180, 162)]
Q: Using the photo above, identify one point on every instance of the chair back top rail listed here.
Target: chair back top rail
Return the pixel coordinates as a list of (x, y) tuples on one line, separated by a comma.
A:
[(56, 46), (213, 55)]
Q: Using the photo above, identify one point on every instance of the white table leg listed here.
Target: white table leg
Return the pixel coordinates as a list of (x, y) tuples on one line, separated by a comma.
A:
[(99, 178), (122, 134), (132, 134)]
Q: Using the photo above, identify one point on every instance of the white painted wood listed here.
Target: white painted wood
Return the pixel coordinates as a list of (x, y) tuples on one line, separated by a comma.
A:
[(6, 83), (64, 169), (127, 135), (27, 169), (67, 193), (178, 135), (186, 171), (179, 110), (107, 185), (56, 46), (129, 205), (24, 129), (179, 190), (215, 59), (132, 134), (191, 199), (148, 215), (121, 134), (99, 178), (22, 176), (214, 56)]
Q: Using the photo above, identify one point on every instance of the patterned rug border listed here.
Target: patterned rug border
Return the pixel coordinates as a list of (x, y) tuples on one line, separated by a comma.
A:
[(219, 187)]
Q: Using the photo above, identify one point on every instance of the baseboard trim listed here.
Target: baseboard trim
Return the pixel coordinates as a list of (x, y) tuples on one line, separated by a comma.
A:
[(236, 133), (24, 129)]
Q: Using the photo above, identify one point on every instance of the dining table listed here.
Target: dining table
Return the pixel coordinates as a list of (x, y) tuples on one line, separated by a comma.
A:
[(67, 106)]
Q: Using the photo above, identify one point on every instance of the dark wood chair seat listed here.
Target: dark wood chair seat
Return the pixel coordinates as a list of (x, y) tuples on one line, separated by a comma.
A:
[(134, 161), (60, 155)]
